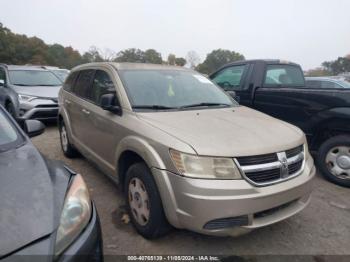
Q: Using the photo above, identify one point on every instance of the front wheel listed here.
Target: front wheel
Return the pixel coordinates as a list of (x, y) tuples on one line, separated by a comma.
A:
[(11, 109), (334, 160), (144, 203), (67, 148)]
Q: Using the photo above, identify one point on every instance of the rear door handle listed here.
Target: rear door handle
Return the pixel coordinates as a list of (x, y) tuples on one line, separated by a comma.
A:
[(85, 111)]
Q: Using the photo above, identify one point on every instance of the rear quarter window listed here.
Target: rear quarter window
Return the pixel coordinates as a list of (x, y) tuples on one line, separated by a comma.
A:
[(69, 83), (283, 75), (83, 83)]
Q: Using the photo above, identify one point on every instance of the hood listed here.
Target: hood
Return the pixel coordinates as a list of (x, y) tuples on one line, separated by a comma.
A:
[(40, 91), (27, 196), (228, 132)]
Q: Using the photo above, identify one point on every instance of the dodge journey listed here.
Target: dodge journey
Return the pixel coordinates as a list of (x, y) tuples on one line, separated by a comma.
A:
[(186, 154)]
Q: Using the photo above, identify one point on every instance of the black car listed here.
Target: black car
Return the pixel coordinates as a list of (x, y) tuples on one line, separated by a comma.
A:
[(278, 88), (45, 208)]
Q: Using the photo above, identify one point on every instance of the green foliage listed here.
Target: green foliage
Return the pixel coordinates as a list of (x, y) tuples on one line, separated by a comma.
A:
[(20, 49), (341, 65), (171, 59), (218, 58), (152, 56), (135, 55), (180, 61), (93, 55), (130, 55), (318, 72)]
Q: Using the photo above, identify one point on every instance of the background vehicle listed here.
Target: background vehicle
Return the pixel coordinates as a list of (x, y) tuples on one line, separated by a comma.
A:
[(184, 152), (29, 92), (326, 82), (278, 88), (61, 73), (45, 207)]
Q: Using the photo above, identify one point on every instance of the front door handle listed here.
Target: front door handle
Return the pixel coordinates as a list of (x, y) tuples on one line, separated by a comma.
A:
[(67, 102), (85, 111)]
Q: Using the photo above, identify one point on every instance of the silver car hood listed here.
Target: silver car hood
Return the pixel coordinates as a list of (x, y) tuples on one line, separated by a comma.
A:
[(39, 91), (238, 131)]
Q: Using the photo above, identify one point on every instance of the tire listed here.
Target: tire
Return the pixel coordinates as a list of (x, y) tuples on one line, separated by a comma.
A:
[(10, 108), (155, 225), (67, 148), (333, 159)]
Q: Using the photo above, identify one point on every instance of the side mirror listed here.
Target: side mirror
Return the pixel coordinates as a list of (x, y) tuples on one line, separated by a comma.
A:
[(231, 93), (108, 102), (33, 128), (2, 82)]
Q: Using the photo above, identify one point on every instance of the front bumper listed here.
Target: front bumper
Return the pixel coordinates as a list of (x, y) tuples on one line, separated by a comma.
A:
[(87, 247), (40, 110), (193, 203)]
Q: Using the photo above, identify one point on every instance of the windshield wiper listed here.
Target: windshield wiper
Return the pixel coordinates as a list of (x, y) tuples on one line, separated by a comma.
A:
[(153, 107), (22, 85), (204, 104)]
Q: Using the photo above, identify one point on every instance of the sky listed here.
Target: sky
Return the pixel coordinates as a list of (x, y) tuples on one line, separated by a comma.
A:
[(307, 32)]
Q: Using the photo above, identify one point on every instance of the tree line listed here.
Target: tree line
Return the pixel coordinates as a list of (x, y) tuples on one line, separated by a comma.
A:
[(332, 68), (20, 49)]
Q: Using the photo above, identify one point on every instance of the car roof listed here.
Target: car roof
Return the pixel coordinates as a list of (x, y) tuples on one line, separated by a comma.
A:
[(321, 78), (24, 67), (132, 66), (267, 61)]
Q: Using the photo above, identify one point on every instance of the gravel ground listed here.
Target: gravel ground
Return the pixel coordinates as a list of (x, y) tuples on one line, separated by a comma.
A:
[(323, 228)]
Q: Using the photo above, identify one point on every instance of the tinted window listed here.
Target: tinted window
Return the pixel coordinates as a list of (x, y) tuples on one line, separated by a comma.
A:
[(2, 75), (329, 84), (171, 88), (231, 77), (68, 84), (83, 83), (33, 78), (283, 75), (102, 84), (313, 83), (9, 137)]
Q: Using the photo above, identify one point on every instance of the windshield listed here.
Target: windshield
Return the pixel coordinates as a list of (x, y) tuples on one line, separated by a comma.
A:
[(172, 89), (9, 137), (61, 74), (284, 75), (33, 78)]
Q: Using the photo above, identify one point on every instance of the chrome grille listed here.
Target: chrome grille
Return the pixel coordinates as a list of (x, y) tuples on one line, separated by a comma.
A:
[(272, 168)]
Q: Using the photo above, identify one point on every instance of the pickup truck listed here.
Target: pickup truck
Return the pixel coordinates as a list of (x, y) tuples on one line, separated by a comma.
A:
[(278, 88)]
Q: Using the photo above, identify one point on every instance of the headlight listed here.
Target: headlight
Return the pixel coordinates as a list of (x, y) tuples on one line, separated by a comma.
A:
[(205, 167), (25, 98), (75, 215)]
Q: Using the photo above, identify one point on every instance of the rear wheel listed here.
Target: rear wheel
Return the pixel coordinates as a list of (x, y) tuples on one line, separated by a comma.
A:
[(334, 160), (67, 148), (144, 203)]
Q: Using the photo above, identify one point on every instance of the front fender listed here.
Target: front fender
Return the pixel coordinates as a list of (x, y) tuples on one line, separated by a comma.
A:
[(141, 147)]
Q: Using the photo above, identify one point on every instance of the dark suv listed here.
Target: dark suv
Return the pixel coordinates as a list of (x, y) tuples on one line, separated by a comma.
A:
[(29, 92)]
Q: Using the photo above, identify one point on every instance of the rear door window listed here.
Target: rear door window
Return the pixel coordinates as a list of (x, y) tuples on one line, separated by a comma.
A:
[(283, 76), (231, 77), (83, 83)]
